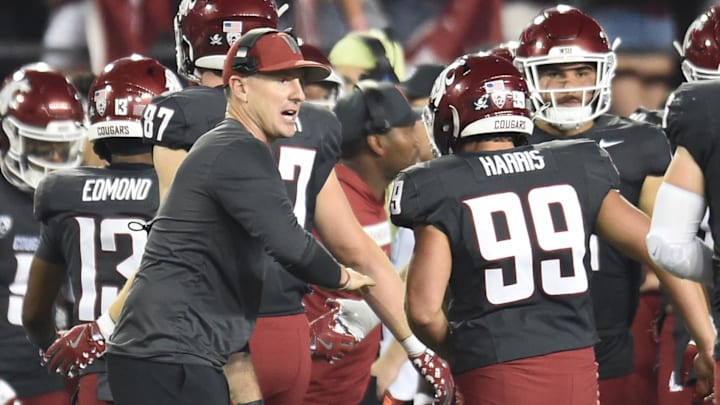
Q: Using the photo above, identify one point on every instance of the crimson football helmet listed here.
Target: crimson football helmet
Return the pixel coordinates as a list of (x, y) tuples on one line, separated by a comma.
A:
[(119, 94), (43, 123), (564, 34), (478, 95), (333, 83), (205, 30), (701, 47)]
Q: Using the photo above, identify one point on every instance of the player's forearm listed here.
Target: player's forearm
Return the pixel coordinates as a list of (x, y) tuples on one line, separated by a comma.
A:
[(40, 328), (432, 329), (690, 301), (387, 297)]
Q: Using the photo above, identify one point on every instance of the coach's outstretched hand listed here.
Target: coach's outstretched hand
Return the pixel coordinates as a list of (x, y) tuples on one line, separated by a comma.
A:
[(355, 282)]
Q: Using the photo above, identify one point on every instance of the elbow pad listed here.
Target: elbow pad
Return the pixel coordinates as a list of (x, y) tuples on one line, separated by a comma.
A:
[(691, 260), (672, 241)]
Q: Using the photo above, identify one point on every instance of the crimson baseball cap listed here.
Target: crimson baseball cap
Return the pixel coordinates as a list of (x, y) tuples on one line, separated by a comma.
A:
[(273, 52)]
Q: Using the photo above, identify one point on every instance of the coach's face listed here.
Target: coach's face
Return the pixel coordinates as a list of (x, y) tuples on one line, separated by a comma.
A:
[(274, 102)]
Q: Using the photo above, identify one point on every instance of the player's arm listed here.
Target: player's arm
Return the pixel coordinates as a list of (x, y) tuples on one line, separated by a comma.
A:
[(625, 227), (44, 284), (648, 192), (344, 237), (672, 240), (427, 281), (341, 233), (166, 162)]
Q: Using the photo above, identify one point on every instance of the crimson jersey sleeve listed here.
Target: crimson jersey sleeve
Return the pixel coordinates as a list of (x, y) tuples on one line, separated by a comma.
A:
[(176, 120)]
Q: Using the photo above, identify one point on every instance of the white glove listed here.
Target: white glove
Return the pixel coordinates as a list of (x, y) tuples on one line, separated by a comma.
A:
[(357, 317)]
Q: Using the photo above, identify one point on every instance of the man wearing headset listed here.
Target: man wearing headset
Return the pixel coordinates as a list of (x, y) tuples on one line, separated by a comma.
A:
[(195, 299)]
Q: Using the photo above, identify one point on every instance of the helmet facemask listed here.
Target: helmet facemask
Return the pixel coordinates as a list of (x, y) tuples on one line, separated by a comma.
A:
[(594, 99), (35, 152)]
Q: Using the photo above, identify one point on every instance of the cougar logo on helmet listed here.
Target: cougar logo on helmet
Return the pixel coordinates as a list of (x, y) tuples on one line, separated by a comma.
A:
[(7, 94), (487, 97)]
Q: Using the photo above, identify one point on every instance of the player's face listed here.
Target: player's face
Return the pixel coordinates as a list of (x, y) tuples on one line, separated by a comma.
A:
[(316, 92), (567, 76), (275, 102), (420, 130), (47, 152), (401, 144)]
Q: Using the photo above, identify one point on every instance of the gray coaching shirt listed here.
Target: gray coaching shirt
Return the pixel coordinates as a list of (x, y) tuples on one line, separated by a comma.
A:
[(196, 296)]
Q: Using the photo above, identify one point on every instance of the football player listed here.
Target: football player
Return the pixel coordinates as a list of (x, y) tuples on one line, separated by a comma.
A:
[(569, 63), (691, 124), (325, 92), (42, 129), (700, 53), (519, 234), (88, 214)]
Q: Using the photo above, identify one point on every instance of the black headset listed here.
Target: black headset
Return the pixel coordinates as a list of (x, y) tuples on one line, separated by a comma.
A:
[(378, 122), (248, 65), (383, 70)]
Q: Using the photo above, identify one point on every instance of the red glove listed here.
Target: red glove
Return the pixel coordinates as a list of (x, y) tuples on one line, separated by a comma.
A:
[(329, 338), (75, 349), (435, 371)]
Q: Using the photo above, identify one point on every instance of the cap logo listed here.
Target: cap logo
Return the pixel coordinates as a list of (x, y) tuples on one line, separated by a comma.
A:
[(216, 40), (291, 43)]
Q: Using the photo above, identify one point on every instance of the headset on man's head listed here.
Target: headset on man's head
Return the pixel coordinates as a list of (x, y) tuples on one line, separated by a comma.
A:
[(378, 122)]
